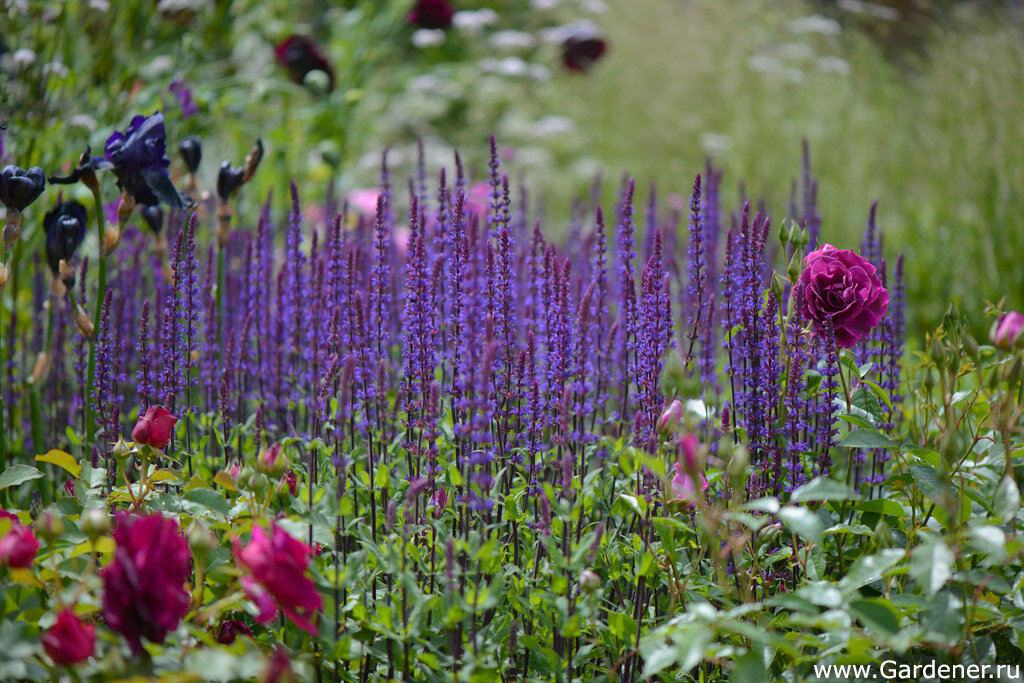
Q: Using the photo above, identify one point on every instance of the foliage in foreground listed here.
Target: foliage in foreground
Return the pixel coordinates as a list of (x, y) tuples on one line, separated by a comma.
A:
[(447, 447)]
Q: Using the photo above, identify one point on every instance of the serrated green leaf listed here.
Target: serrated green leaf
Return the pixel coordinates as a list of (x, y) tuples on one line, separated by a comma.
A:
[(18, 474), (823, 488), (866, 438)]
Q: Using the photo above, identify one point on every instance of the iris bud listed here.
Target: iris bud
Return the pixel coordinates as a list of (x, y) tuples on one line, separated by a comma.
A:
[(191, 149)]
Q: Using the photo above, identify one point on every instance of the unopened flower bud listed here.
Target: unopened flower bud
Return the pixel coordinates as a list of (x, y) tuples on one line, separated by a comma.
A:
[(272, 461), (200, 539), (589, 581), (245, 475), (1008, 331), (191, 149), (49, 527), (94, 522), (121, 450), (670, 418), (737, 468)]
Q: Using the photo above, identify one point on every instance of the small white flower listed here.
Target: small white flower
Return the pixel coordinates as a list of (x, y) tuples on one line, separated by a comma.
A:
[(473, 21), (513, 66), (99, 5), (157, 67), (540, 73), (544, 5), (815, 23), (57, 69), (715, 142), (83, 121), (552, 126), (428, 37), (23, 58)]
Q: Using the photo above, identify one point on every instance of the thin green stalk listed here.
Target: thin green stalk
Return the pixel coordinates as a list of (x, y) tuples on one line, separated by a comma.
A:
[(101, 293)]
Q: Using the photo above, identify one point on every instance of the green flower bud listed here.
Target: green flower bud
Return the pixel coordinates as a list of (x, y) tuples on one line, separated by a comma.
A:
[(589, 581), (49, 527), (200, 539), (94, 522)]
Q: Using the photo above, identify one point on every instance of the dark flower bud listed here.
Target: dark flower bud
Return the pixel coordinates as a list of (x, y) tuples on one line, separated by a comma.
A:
[(153, 214), (19, 188), (300, 55), (431, 14), (191, 149), (229, 180), (65, 230), (580, 51)]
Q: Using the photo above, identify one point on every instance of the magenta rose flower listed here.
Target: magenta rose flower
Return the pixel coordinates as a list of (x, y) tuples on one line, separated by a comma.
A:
[(144, 594), (69, 641), (431, 14), (277, 564), (155, 428), (18, 547), (840, 285), (1008, 331)]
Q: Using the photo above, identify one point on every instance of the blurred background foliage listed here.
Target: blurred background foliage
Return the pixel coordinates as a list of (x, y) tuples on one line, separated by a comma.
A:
[(916, 104)]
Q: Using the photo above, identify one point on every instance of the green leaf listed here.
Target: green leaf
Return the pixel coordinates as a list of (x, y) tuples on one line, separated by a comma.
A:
[(210, 499), (748, 669), (823, 488), (1006, 499), (876, 615), (927, 479), (18, 474), (866, 438), (869, 568), (802, 521), (882, 506), (61, 459), (931, 564)]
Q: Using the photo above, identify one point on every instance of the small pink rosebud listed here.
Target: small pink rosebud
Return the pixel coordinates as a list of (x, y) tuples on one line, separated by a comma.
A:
[(671, 417), (689, 451), (1008, 331), (18, 547), (272, 460), (69, 640), (292, 482)]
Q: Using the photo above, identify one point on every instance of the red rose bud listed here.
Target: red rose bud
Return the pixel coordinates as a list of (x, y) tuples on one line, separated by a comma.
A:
[(300, 55), (1008, 331), (671, 417), (18, 547), (292, 482), (231, 629), (69, 641), (155, 428), (272, 460), (431, 14), (843, 286)]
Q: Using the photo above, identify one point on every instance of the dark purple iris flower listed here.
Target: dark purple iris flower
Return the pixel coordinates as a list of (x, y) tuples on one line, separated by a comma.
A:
[(139, 157), (65, 230), (300, 55), (431, 14), (579, 52)]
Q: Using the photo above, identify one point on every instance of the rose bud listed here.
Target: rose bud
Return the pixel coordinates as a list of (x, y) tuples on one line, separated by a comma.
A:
[(1008, 331), (191, 149), (18, 547), (200, 539), (589, 581), (49, 527), (301, 56), (272, 460), (671, 417), (435, 14), (69, 640), (292, 482), (94, 522), (155, 428), (231, 629), (582, 49)]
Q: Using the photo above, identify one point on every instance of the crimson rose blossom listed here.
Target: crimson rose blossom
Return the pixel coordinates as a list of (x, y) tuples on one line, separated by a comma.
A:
[(144, 594), (843, 286), (155, 428), (277, 565), (18, 547), (69, 641), (1008, 330)]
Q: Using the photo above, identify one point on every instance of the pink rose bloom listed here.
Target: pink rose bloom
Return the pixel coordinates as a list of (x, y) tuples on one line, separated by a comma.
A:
[(144, 592), (277, 566), (684, 486), (841, 286), (1008, 331), (688, 449), (155, 428), (18, 547), (69, 641)]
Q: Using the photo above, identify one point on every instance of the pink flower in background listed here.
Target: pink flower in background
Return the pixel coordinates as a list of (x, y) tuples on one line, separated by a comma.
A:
[(277, 566), (439, 500), (364, 201), (69, 641), (684, 485), (18, 547), (1008, 331), (842, 286), (144, 592), (477, 199), (671, 416)]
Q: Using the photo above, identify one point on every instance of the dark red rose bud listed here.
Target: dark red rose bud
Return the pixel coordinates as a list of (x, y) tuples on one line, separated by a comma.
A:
[(580, 52), (231, 629), (431, 14), (155, 428), (300, 55), (69, 641)]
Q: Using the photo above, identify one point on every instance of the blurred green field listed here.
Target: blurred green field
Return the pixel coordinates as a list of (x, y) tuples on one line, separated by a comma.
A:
[(937, 137)]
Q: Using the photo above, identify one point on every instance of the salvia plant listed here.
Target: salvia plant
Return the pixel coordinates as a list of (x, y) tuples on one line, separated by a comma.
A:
[(437, 439)]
